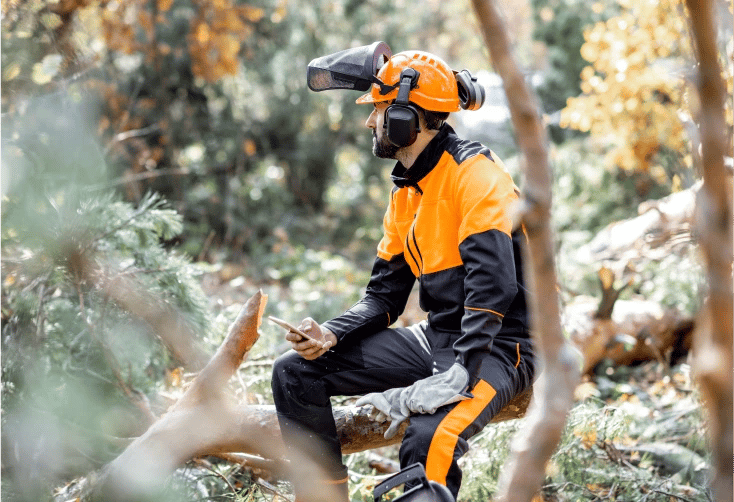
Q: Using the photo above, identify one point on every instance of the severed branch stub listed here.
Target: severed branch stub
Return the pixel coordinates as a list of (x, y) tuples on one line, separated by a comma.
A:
[(609, 294), (203, 420)]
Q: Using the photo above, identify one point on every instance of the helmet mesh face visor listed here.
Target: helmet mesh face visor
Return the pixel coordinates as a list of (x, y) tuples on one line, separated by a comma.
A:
[(348, 69), (321, 80)]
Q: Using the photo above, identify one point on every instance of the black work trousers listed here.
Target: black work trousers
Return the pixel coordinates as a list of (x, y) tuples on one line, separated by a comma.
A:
[(396, 357)]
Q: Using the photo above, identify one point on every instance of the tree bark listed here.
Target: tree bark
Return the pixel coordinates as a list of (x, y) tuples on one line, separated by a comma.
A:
[(558, 360), (713, 359), (358, 432)]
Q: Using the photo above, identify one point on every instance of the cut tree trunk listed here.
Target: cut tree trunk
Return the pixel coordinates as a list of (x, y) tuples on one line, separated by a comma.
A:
[(636, 331)]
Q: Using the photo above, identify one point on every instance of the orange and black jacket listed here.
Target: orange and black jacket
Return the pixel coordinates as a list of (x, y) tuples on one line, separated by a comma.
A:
[(448, 224)]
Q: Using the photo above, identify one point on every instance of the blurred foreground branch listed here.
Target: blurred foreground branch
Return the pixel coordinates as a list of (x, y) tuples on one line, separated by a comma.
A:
[(713, 338), (163, 319), (523, 475), (204, 421)]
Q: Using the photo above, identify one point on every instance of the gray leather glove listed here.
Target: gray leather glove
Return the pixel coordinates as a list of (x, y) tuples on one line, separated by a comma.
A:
[(424, 396), (386, 405), (429, 394)]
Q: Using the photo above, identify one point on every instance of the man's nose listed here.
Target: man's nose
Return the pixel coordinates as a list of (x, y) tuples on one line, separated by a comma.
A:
[(370, 123)]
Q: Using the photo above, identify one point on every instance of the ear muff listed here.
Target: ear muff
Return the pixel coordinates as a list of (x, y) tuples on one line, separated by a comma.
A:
[(471, 94), (401, 118)]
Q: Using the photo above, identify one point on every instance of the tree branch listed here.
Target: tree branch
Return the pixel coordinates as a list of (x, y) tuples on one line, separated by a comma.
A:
[(560, 364), (713, 337), (164, 320)]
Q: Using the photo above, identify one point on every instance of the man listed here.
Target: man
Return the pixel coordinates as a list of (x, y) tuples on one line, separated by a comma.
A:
[(447, 224)]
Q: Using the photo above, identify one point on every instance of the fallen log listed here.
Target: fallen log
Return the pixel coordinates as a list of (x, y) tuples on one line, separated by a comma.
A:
[(636, 331), (359, 432), (630, 331)]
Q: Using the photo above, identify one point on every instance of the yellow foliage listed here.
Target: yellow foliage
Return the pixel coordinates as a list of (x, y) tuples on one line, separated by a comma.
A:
[(118, 24), (217, 35), (634, 91), (249, 147), (588, 438), (8, 5), (164, 5), (11, 71), (215, 38)]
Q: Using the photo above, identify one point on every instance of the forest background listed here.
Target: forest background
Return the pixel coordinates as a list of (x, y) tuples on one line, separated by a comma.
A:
[(175, 142)]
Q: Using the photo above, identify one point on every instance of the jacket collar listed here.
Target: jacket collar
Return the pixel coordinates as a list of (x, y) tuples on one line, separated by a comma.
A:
[(425, 162)]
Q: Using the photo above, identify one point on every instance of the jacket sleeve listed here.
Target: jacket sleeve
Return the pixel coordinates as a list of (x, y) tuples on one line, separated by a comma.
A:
[(484, 197), (387, 291)]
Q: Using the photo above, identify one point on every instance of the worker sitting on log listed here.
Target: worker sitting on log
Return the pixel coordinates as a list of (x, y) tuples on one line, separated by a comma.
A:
[(447, 224)]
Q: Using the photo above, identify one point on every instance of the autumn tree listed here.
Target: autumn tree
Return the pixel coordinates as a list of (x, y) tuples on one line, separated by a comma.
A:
[(559, 26), (637, 91)]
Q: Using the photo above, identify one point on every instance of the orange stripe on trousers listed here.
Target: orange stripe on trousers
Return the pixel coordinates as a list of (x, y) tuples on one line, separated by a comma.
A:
[(443, 444)]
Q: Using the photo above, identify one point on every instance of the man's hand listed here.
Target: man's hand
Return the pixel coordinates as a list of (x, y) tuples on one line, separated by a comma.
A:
[(324, 339)]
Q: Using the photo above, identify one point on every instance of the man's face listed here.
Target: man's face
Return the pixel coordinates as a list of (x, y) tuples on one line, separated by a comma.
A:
[(381, 146)]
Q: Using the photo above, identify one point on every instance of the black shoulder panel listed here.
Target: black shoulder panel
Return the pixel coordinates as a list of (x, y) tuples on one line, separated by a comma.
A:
[(461, 150)]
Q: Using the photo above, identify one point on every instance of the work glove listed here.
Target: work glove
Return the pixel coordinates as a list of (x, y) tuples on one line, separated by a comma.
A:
[(386, 405), (424, 396), (429, 394)]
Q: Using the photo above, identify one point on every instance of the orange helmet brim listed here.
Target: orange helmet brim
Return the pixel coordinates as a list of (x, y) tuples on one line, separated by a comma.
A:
[(369, 98)]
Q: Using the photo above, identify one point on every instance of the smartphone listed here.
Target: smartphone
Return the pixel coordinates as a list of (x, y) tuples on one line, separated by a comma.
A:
[(290, 327)]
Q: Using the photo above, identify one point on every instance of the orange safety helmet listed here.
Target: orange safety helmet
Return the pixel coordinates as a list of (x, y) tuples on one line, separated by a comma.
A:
[(436, 89)]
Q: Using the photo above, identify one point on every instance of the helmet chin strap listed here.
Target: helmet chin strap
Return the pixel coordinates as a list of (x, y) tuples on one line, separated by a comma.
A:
[(384, 88)]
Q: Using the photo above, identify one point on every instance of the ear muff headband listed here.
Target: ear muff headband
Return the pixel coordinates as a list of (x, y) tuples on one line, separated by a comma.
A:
[(401, 118), (471, 94)]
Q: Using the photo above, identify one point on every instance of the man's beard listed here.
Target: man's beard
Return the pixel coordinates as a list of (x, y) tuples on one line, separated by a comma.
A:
[(382, 148)]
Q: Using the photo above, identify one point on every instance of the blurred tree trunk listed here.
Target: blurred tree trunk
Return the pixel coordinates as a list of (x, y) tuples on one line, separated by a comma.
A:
[(559, 363), (713, 338)]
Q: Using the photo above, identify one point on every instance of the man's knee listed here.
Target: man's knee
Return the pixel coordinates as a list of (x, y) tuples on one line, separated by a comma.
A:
[(287, 376), (417, 440)]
